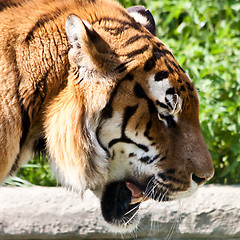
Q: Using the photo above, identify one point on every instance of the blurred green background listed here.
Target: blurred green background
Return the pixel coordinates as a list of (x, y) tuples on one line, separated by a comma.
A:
[(204, 36)]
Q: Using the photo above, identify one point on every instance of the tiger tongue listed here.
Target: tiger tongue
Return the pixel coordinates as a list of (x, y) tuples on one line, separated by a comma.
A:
[(137, 195), (134, 190)]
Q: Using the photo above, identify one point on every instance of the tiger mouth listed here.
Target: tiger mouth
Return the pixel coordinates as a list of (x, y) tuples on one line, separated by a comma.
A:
[(120, 202)]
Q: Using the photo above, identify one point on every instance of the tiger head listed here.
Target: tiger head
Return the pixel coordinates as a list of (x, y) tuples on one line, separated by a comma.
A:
[(127, 123)]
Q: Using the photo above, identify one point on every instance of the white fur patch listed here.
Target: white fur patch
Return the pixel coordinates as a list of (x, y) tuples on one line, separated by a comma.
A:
[(126, 228), (120, 166), (139, 18), (158, 89), (158, 92)]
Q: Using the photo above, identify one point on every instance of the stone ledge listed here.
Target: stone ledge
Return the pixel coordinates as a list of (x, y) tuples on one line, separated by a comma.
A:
[(213, 212)]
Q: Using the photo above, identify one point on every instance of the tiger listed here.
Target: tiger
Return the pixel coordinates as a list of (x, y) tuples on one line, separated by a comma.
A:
[(89, 83)]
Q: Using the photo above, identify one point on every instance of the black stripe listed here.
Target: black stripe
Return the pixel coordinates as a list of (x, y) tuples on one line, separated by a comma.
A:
[(156, 157), (128, 113), (168, 66), (116, 31), (146, 132), (25, 125), (43, 19), (144, 159), (178, 189), (137, 52), (132, 155), (127, 140), (139, 92), (171, 91), (162, 105), (129, 77), (124, 23), (159, 53), (171, 65), (182, 88), (170, 171), (160, 44), (150, 64), (107, 112), (121, 67), (161, 75), (10, 4), (189, 86), (175, 65), (168, 103), (135, 38), (170, 121), (162, 176), (181, 68), (163, 158), (124, 26), (149, 160)]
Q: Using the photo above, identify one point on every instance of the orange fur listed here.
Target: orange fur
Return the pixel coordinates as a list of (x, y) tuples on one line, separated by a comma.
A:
[(96, 101)]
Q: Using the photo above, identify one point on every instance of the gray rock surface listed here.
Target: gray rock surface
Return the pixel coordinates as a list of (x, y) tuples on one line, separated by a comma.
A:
[(55, 213)]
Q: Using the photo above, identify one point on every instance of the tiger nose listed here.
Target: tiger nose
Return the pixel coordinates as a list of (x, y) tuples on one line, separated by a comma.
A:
[(203, 176), (200, 180), (202, 165), (203, 169)]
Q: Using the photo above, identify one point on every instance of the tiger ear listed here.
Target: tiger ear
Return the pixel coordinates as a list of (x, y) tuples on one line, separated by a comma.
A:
[(144, 17), (87, 46)]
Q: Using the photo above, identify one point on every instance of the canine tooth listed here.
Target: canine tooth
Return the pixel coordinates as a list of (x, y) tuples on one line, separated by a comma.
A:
[(139, 199), (135, 200)]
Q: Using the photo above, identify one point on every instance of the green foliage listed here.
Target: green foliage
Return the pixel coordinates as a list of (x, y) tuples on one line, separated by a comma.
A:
[(205, 39), (37, 172), (129, 3)]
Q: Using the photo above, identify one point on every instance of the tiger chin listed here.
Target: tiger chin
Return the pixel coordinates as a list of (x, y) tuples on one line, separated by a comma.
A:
[(91, 84)]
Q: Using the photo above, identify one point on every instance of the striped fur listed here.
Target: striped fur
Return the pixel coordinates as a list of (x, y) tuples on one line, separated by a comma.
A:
[(102, 95)]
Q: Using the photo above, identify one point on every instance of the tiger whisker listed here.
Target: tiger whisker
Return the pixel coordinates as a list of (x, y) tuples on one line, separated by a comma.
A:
[(173, 226), (129, 220), (148, 194), (151, 191), (131, 210)]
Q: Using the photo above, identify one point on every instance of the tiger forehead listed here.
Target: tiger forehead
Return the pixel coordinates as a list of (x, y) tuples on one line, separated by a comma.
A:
[(144, 55), (139, 51), (130, 41)]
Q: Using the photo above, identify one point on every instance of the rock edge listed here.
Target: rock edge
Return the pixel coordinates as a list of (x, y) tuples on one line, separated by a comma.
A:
[(213, 212)]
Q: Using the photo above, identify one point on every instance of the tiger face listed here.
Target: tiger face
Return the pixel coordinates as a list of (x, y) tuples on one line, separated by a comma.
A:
[(91, 83), (149, 127)]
